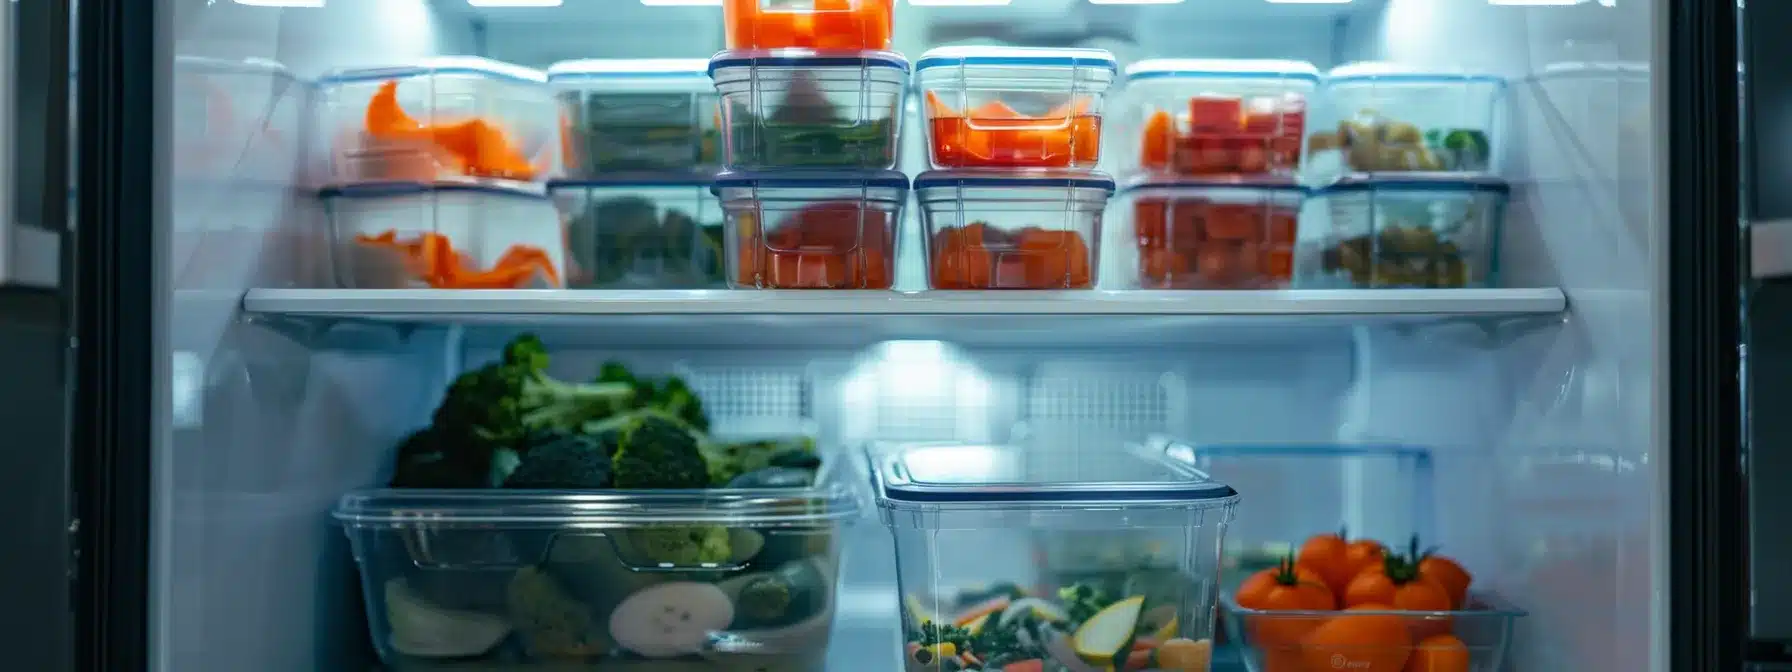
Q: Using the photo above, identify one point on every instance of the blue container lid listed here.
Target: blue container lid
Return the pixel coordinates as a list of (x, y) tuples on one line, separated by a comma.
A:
[(1050, 178), (636, 180), (1372, 71), (813, 179), (1018, 56), (1021, 476), (807, 58), (1173, 182), (441, 65), (390, 189), (1432, 182), (628, 68), (1223, 68)]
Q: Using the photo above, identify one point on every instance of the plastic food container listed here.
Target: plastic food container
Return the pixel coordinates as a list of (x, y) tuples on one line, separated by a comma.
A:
[(1381, 117), (391, 236), (970, 521), (1270, 640), (448, 118), (797, 108), (810, 24), (625, 233), (1013, 106), (1218, 117), (546, 579), (1413, 231), (1010, 231), (1214, 234), (652, 114), (812, 230)]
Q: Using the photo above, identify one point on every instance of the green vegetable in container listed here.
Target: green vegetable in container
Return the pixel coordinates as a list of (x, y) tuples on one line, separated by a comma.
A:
[(677, 545), (659, 452), (552, 624), (560, 459)]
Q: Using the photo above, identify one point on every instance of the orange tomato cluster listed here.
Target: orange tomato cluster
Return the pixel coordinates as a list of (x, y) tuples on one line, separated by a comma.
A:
[(432, 259), (1225, 138), (995, 135), (834, 245), (1349, 586), (473, 147), (980, 256), (1196, 243), (826, 24)]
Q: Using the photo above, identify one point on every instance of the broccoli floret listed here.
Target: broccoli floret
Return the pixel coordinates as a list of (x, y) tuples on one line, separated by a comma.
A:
[(429, 458), (764, 599), (658, 452), (676, 398), (729, 460), (1082, 601), (681, 545), (558, 459), (551, 623), (502, 401)]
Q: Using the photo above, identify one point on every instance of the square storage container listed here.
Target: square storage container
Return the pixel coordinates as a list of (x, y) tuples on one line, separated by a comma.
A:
[(1217, 117), (799, 108), (449, 118), (628, 233), (1272, 641), (1012, 231), (812, 230), (1014, 107), (1382, 117), (1214, 234), (811, 24), (646, 114), (973, 526), (394, 236), (1412, 232), (600, 579)]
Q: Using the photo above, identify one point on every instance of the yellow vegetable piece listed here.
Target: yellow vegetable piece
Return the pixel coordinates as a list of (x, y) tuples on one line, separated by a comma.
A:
[(1101, 638)]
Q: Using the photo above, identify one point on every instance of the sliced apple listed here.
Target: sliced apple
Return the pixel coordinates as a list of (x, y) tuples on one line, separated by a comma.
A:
[(1102, 637)]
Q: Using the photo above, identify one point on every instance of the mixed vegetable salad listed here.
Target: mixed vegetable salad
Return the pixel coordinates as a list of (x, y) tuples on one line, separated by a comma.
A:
[(981, 256), (1082, 627), (1399, 255)]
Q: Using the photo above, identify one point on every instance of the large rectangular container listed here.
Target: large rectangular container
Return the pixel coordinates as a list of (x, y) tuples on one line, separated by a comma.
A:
[(1435, 231), (1014, 107), (992, 230), (1217, 116), (446, 236), (812, 230), (1389, 118), (636, 114), (641, 233), (597, 580), (1214, 233), (802, 108), (814, 24), (979, 592)]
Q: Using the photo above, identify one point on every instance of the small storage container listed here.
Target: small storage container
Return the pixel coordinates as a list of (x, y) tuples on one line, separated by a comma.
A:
[(626, 233), (1214, 234), (720, 579), (1217, 117), (989, 230), (449, 118), (1012, 107), (393, 236), (1381, 117), (1413, 231), (979, 591), (812, 230), (799, 108), (809, 24), (637, 114)]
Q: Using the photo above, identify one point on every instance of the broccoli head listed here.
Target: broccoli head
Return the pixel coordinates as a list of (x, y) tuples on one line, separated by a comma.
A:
[(676, 398), (559, 459), (764, 598), (658, 452), (502, 401), (681, 545), (430, 458), (552, 624)]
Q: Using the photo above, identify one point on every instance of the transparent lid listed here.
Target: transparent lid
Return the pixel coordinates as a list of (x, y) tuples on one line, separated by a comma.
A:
[(807, 58), (1378, 71), (629, 68), (1200, 182), (1222, 68), (440, 65), (247, 66), (812, 179), (1067, 179), (1095, 59), (825, 503), (394, 189), (1439, 182), (1009, 476), (645, 180)]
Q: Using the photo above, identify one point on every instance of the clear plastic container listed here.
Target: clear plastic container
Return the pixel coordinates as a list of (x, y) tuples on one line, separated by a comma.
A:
[(1214, 234), (637, 114), (1012, 231), (974, 526), (1217, 117), (392, 236), (799, 108), (809, 24), (625, 233), (558, 579), (1014, 107), (448, 118), (1272, 641), (1413, 231), (1382, 117), (812, 230)]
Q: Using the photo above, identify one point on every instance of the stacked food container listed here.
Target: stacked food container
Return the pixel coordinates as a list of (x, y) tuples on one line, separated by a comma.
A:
[(1013, 135), (436, 173), (811, 111)]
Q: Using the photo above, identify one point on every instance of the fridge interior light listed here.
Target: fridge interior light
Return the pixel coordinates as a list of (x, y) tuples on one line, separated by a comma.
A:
[(1134, 2)]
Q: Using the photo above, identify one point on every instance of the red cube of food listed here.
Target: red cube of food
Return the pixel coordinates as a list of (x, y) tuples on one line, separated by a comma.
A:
[(1215, 114)]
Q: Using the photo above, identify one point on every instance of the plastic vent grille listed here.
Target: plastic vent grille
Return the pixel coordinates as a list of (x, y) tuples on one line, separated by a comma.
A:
[(750, 393), (1086, 402)]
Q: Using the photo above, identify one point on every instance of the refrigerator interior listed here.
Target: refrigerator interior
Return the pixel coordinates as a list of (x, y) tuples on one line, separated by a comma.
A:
[(1541, 422)]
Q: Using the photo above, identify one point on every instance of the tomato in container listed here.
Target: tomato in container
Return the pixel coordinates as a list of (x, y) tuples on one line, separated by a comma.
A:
[(1214, 234), (1204, 117), (989, 230), (811, 24), (1012, 107), (806, 230)]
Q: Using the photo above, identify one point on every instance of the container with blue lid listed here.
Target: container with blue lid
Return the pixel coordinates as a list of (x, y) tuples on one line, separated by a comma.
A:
[(1032, 229), (397, 235), (807, 108), (1385, 117), (1014, 107), (1433, 230), (1084, 550), (812, 229), (436, 119), (641, 231), (637, 114), (1213, 232), (1208, 117)]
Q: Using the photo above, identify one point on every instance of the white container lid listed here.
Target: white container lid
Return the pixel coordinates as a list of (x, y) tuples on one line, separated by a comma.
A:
[(629, 68), (921, 476), (1093, 59), (806, 58), (1379, 71), (1222, 68), (247, 66), (441, 65)]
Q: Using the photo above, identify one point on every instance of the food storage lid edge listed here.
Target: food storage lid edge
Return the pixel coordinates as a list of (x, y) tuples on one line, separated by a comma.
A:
[(885, 179), (598, 68), (937, 179), (991, 55), (445, 65), (895, 486), (806, 58), (639, 181), (1487, 184), (1201, 68), (834, 501), (379, 189)]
